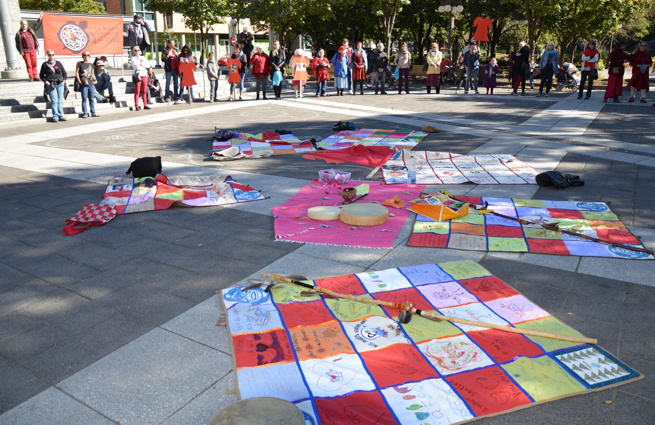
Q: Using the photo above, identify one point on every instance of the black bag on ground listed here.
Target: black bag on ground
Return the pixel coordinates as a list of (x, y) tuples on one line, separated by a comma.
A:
[(148, 166), (558, 180)]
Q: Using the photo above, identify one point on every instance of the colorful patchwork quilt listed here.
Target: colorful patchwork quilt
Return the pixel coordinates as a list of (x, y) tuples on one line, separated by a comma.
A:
[(129, 195), (449, 168), (292, 224), (405, 139), (343, 362), (264, 144), (487, 232)]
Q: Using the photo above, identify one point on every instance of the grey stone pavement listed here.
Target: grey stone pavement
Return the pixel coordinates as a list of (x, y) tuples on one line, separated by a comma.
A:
[(118, 324)]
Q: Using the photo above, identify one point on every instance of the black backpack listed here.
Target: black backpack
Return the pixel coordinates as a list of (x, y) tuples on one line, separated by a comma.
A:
[(558, 180), (145, 167)]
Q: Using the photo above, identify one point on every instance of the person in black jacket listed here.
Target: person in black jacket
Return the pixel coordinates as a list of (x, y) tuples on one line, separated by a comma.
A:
[(53, 76), (277, 59), (380, 65)]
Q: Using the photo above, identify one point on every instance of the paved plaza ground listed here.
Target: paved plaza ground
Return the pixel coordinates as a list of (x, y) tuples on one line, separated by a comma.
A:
[(118, 324)]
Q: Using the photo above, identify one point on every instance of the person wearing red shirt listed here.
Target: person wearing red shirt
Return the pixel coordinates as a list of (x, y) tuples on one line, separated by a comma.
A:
[(260, 66), (640, 61), (320, 67)]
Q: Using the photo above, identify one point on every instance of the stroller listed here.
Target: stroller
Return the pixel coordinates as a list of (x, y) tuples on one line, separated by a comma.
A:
[(566, 77)]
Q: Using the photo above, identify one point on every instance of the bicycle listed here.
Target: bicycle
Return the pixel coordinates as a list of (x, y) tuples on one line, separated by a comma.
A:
[(390, 80)]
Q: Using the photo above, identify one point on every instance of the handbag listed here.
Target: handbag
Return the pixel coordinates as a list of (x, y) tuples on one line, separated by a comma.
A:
[(90, 215), (76, 86), (593, 74), (135, 78)]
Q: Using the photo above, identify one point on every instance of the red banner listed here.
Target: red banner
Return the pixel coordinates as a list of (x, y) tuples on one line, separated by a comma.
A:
[(71, 35)]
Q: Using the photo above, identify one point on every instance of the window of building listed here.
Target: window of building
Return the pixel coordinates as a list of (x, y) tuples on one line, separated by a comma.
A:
[(139, 7)]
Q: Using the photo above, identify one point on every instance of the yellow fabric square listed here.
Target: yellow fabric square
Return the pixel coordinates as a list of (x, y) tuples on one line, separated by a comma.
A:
[(466, 269), (552, 325), (421, 329), (529, 203), (438, 227), (541, 233)]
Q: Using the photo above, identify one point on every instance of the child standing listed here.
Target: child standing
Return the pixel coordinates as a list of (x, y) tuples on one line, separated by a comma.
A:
[(187, 68), (490, 73), (212, 75), (234, 76)]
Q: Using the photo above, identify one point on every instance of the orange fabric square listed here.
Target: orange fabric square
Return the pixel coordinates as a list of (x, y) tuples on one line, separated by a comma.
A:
[(602, 224), (262, 349), (397, 365), (317, 342), (467, 228)]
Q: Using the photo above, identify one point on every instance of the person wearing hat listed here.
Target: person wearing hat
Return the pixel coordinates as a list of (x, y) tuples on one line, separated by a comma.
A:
[(590, 58), (137, 33), (103, 83), (615, 66), (341, 64)]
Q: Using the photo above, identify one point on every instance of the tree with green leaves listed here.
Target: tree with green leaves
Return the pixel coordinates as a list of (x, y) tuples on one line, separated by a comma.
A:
[(199, 15), (77, 6), (389, 10)]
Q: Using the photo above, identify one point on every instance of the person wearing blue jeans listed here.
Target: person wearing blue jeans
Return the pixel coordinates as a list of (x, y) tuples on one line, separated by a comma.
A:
[(169, 57), (103, 83), (54, 76), (244, 64), (85, 76), (380, 66)]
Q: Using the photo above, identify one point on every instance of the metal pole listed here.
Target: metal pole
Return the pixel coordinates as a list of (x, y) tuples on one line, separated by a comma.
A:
[(8, 37), (450, 34)]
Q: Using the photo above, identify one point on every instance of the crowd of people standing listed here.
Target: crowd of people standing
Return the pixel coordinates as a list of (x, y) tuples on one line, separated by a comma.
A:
[(351, 69)]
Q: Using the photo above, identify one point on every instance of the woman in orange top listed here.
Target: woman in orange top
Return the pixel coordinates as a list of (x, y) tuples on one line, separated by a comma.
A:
[(234, 76), (299, 65)]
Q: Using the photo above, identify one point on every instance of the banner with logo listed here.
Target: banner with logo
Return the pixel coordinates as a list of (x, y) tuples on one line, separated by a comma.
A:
[(71, 35)]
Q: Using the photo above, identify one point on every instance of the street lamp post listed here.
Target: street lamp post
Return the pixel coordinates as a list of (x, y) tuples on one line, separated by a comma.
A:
[(453, 7)]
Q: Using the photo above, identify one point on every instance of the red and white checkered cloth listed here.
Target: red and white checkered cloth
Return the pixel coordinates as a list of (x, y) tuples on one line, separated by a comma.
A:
[(89, 215)]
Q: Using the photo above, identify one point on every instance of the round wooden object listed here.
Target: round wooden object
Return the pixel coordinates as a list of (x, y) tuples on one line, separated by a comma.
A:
[(324, 213), (260, 411), (364, 214)]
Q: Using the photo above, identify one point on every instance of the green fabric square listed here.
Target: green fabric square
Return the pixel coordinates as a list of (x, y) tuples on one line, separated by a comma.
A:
[(542, 378), (437, 227), (471, 218), (529, 203), (507, 244), (573, 224), (421, 329), (466, 269), (600, 215), (552, 325), (541, 233)]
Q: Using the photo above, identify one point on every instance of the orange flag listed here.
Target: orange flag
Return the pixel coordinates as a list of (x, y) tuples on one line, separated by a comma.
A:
[(71, 35)]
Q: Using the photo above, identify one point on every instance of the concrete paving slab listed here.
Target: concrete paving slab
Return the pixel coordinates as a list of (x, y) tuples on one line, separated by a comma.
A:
[(409, 256), (635, 271), (149, 379), (569, 263), (199, 324), (203, 408), (53, 407)]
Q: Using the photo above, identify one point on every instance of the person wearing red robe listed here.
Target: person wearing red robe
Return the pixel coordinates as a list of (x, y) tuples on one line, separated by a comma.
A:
[(640, 61), (616, 68), (260, 67), (187, 67), (320, 66), (358, 63), (234, 75)]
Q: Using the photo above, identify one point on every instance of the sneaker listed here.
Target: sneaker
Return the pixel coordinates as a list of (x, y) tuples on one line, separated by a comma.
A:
[(539, 94), (383, 92), (95, 115), (642, 100), (167, 99), (616, 100), (604, 100), (514, 93), (178, 102), (632, 99), (240, 98), (63, 119), (147, 107), (85, 116), (477, 92), (55, 120)]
